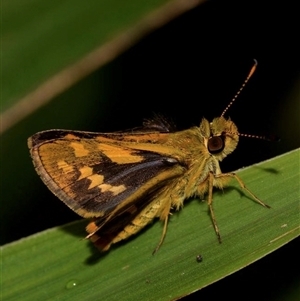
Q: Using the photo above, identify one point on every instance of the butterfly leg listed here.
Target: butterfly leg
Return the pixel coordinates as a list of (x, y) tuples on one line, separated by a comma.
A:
[(163, 235), (209, 202), (242, 185)]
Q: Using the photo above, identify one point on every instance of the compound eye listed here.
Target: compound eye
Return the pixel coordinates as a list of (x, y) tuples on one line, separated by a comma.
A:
[(215, 144)]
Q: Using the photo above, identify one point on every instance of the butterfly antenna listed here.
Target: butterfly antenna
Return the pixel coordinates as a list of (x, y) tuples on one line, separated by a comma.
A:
[(241, 88)]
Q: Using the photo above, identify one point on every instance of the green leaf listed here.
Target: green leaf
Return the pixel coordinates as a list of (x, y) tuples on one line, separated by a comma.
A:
[(57, 265)]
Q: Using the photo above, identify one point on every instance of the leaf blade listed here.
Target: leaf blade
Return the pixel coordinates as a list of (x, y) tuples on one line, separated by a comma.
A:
[(54, 259)]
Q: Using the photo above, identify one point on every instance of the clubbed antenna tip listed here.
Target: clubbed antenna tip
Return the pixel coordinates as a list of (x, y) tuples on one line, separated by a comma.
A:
[(241, 88)]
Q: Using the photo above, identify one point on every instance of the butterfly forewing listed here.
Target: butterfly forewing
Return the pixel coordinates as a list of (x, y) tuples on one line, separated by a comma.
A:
[(93, 173)]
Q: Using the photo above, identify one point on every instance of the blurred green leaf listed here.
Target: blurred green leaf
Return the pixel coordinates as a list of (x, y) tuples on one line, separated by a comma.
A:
[(48, 46)]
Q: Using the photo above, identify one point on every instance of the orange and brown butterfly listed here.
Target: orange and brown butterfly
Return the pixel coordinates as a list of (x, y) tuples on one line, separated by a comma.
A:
[(122, 181)]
